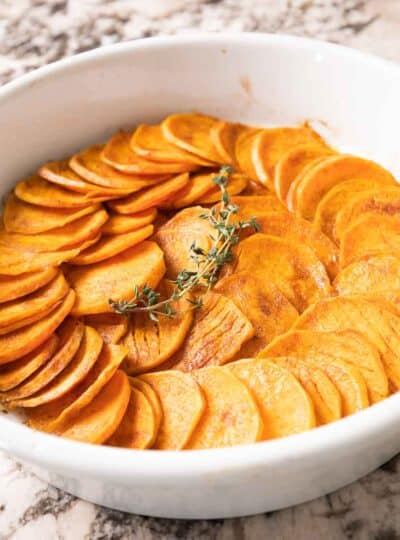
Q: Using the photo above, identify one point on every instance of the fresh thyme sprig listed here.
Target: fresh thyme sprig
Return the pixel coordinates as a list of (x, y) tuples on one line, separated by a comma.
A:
[(207, 263)]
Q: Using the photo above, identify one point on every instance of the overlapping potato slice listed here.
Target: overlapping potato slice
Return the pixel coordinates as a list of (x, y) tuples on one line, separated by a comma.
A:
[(12, 287), (182, 403), (14, 373), (146, 389), (330, 172), (346, 345), (237, 183), (231, 416), (151, 343), (150, 143), (291, 197), (98, 420), (24, 340), (294, 269), (111, 326), (218, 332), (150, 197), (291, 164), (255, 205), (199, 185), (284, 405), (223, 136), (117, 224), (118, 154), (245, 145), (53, 416), (254, 189), (116, 278), (269, 311), (191, 132), (177, 236), (22, 311)]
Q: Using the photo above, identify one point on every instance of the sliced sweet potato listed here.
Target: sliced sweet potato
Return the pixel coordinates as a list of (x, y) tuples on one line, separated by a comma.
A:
[(24, 340), (116, 278), (71, 334), (38, 191), (199, 185), (231, 416), (253, 189), (151, 343), (291, 197), (98, 420), (111, 326), (284, 405), (182, 403), (236, 184), (123, 224), (269, 311), (151, 197), (12, 287), (223, 135), (146, 389), (218, 332), (191, 132), (246, 142), (14, 373), (293, 268), (255, 206)]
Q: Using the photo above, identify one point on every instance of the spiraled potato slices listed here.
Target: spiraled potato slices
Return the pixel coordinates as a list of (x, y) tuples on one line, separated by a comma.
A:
[(12, 287)]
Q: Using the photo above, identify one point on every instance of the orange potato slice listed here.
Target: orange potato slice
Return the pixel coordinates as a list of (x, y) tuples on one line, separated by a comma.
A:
[(38, 191), (178, 234), (89, 165), (293, 268), (267, 309), (246, 142), (254, 189), (111, 326), (55, 415), (151, 197), (330, 172), (116, 278), (182, 403), (75, 371), (111, 245), (291, 164), (13, 287), (98, 420), (151, 343), (60, 238), (284, 405), (291, 197), (14, 373), (152, 397), (255, 206), (191, 132), (237, 183), (71, 335), (299, 230), (223, 136), (199, 185), (25, 218), (123, 224), (231, 416), (138, 426), (346, 345), (218, 332), (118, 154), (150, 143), (35, 306), (24, 340)]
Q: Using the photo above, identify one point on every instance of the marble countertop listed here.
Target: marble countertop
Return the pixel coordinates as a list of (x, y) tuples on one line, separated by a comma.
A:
[(35, 32)]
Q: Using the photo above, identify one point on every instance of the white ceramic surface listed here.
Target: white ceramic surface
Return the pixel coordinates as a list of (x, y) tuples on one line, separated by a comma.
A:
[(254, 78)]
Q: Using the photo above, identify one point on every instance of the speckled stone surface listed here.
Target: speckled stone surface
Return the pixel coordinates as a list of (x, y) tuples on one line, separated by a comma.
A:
[(35, 32)]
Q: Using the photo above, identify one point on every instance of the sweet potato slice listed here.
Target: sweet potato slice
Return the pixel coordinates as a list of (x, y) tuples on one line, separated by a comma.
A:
[(256, 206), (268, 310), (223, 135), (151, 395), (150, 143), (151, 343), (246, 142), (138, 426), (53, 416), (117, 224), (284, 405), (38, 191), (150, 197), (346, 345), (118, 154), (25, 218), (182, 403), (98, 420), (231, 416), (12, 287), (237, 183), (191, 132), (111, 326), (291, 197), (24, 340), (331, 172), (291, 164), (253, 189), (14, 373), (218, 332), (18, 313), (199, 185), (293, 268), (116, 278), (70, 338), (178, 234)]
